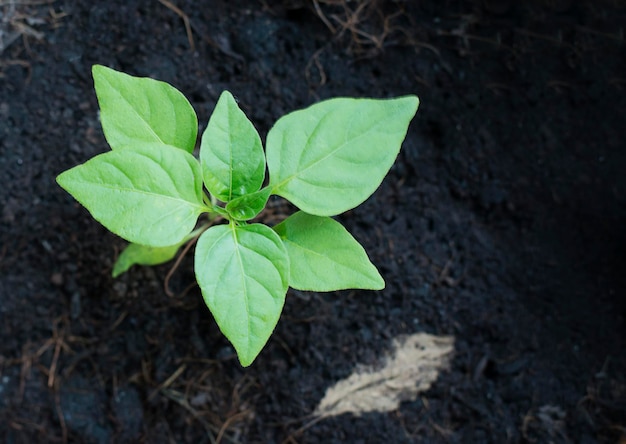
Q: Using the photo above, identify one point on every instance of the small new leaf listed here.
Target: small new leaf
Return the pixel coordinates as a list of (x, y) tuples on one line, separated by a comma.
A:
[(135, 254), (149, 195), (330, 157), (323, 256), (137, 109), (231, 153), (249, 206), (243, 272)]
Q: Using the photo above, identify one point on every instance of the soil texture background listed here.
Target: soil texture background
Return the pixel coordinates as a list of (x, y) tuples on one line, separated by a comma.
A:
[(500, 230)]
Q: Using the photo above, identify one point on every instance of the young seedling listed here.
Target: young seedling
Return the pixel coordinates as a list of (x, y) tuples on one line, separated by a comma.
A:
[(151, 190)]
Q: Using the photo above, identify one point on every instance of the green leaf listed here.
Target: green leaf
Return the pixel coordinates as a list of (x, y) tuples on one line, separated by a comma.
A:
[(135, 254), (248, 206), (149, 195), (136, 109), (231, 153), (323, 256), (243, 273), (330, 157)]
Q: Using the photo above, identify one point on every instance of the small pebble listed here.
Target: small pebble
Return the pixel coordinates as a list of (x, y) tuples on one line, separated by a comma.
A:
[(56, 279)]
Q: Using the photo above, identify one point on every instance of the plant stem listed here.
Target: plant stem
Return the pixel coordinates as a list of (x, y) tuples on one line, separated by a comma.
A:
[(201, 229), (208, 201)]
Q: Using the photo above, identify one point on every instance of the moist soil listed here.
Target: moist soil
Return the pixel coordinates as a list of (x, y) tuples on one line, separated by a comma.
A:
[(501, 225)]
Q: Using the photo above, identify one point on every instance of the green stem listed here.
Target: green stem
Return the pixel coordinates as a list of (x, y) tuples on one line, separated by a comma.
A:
[(212, 208), (201, 229), (208, 201)]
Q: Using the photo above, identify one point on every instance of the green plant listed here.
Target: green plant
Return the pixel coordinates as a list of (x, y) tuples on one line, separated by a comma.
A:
[(151, 190)]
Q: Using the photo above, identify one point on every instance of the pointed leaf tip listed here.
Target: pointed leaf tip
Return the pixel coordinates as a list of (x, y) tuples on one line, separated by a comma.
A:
[(150, 195), (231, 153), (141, 109), (330, 157), (243, 274), (324, 256)]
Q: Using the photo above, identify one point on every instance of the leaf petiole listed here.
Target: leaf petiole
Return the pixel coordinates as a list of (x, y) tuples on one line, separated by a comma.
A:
[(197, 232)]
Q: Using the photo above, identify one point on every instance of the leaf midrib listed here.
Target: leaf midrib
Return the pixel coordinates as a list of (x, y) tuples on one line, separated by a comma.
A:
[(144, 121), (308, 250), (149, 193), (233, 228)]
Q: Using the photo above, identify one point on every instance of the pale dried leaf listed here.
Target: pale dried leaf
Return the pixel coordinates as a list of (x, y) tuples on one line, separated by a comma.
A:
[(414, 365)]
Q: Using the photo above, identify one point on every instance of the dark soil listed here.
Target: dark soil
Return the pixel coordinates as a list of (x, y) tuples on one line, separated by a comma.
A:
[(502, 224)]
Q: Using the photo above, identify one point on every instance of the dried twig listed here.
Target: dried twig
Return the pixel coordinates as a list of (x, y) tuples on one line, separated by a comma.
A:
[(185, 18), (320, 14), (180, 399), (170, 273), (169, 381)]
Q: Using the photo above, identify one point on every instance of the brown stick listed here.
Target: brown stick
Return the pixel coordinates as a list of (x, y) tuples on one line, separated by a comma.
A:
[(185, 18)]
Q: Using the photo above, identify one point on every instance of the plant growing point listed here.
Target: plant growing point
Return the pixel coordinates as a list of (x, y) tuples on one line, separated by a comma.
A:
[(152, 191)]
